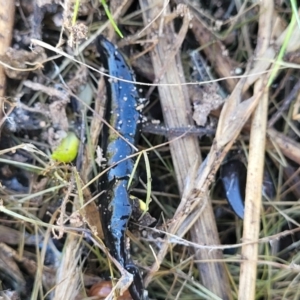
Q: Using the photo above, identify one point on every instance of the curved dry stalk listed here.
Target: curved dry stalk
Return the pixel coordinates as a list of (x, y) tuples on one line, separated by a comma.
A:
[(288, 146)]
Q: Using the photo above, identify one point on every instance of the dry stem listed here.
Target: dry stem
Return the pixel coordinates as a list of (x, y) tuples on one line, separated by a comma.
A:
[(256, 164), (185, 152), (7, 12)]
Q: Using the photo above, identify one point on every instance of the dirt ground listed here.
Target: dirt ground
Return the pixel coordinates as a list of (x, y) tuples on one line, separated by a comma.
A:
[(216, 151)]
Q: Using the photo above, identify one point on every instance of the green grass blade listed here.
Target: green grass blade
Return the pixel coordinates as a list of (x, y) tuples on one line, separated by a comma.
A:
[(278, 61), (295, 11), (113, 23)]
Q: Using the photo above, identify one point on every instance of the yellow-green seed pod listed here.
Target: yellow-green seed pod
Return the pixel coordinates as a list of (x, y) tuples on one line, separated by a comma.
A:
[(140, 204), (143, 205), (67, 149)]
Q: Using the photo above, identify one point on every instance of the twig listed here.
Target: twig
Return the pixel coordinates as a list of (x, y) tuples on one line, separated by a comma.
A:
[(171, 132)]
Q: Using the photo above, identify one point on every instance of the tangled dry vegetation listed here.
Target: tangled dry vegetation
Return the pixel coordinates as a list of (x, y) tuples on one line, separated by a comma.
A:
[(222, 83)]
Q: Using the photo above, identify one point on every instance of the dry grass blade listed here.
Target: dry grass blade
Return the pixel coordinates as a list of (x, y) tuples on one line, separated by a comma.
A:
[(185, 152), (253, 195), (7, 11), (90, 210), (68, 273)]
